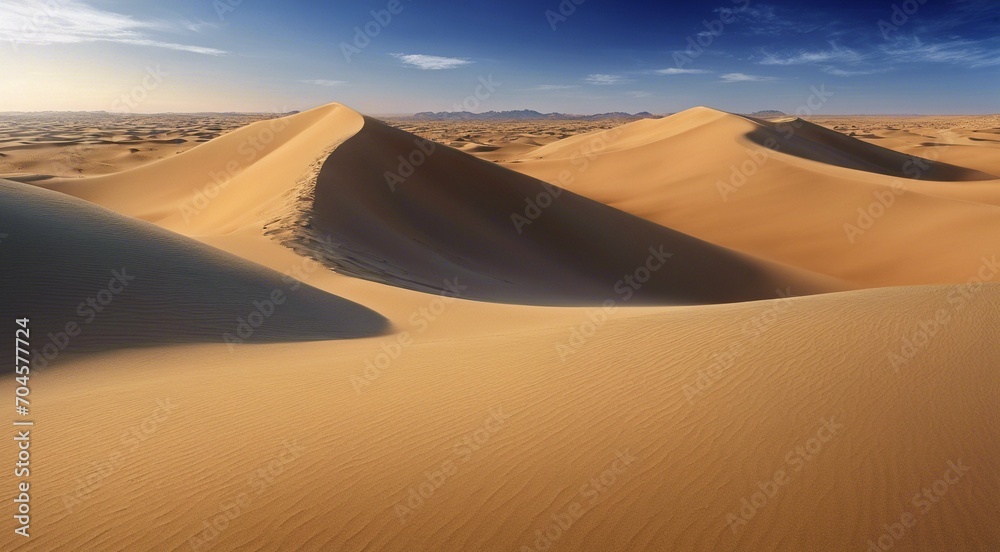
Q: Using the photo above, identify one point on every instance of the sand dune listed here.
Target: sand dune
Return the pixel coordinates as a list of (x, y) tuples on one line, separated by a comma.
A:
[(703, 172), (412, 213), (833, 421), (90, 279), (337, 469), (226, 184), (795, 136), (504, 236)]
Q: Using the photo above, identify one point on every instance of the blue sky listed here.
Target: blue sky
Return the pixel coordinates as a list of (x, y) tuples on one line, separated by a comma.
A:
[(939, 56)]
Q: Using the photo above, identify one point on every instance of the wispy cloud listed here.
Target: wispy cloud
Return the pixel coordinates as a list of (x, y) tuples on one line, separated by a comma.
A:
[(431, 63), (639, 93), (743, 77), (678, 71), (848, 62), (323, 82), (605, 80), (838, 72), (40, 22), (198, 26), (836, 54), (961, 14), (547, 87), (967, 53), (765, 20), (172, 46)]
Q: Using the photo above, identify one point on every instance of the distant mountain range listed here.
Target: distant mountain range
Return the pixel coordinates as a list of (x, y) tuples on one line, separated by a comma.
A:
[(523, 114), (532, 115)]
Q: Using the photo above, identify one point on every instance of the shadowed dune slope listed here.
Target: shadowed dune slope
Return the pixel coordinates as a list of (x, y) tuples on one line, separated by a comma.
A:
[(123, 282), (508, 237), (815, 199), (794, 136)]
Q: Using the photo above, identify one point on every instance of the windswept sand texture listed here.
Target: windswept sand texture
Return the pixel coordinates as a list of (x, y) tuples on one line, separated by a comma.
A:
[(862, 408)]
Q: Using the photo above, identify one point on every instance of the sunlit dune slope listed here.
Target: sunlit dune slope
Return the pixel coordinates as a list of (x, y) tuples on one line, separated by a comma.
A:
[(808, 199), (91, 279), (230, 183)]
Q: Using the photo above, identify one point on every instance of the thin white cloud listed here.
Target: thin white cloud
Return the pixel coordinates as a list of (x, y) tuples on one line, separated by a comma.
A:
[(838, 72), (172, 46), (764, 20), (639, 93), (847, 62), (323, 82), (42, 22), (547, 87), (836, 54), (605, 80), (431, 63), (199, 26), (967, 53), (743, 77), (678, 71)]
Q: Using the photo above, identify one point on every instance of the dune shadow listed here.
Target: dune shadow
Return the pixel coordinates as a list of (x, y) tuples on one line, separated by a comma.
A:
[(816, 143), (390, 207), (90, 280)]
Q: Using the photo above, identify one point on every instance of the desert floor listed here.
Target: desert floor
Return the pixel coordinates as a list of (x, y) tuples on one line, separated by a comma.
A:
[(325, 332)]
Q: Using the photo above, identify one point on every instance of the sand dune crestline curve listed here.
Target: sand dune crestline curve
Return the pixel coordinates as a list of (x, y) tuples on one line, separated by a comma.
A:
[(416, 214), (790, 192), (123, 283)]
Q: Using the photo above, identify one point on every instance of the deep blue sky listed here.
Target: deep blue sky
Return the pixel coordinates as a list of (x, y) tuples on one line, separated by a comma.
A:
[(604, 56)]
